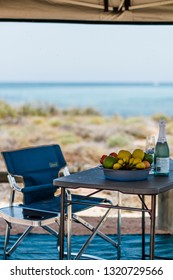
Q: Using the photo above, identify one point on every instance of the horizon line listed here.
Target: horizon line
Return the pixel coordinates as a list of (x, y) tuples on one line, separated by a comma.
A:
[(85, 83)]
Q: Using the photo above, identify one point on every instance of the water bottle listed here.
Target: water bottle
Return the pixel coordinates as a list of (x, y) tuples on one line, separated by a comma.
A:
[(161, 155)]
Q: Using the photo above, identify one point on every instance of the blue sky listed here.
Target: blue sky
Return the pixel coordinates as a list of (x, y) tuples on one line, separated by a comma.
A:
[(85, 53)]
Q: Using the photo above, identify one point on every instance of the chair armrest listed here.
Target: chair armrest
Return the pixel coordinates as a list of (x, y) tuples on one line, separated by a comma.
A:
[(13, 183), (38, 188), (64, 172)]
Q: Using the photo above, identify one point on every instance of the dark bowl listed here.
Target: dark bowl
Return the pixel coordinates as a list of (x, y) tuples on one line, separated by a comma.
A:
[(126, 175)]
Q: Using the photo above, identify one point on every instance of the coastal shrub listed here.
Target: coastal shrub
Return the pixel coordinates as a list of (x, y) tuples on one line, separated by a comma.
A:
[(137, 131), (39, 120), (97, 120), (7, 110), (53, 110), (32, 110), (160, 116), (67, 138), (132, 120), (72, 112), (91, 112), (38, 110), (118, 140), (81, 112), (54, 122)]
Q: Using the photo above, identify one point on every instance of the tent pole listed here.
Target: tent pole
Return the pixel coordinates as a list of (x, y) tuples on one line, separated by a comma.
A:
[(127, 4), (106, 5)]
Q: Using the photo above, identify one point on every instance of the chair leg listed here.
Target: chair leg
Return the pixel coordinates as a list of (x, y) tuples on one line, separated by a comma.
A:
[(54, 233), (58, 239), (16, 244), (51, 231), (101, 234), (91, 228), (95, 231), (7, 237)]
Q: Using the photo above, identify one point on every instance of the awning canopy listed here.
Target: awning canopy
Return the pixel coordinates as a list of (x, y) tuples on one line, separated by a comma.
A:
[(110, 11)]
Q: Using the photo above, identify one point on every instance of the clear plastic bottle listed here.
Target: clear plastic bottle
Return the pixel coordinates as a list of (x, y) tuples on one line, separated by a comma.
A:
[(161, 155)]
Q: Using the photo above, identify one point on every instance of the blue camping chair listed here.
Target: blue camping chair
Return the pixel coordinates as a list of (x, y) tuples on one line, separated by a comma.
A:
[(38, 167)]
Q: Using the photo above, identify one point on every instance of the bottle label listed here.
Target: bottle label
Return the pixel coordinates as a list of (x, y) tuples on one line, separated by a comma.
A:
[(162, 165)]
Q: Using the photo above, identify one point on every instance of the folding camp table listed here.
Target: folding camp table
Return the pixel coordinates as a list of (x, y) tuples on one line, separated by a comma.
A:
[(94, 179)]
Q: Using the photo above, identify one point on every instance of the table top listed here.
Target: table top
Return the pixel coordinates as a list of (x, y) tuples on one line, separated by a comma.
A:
[(94, 179)]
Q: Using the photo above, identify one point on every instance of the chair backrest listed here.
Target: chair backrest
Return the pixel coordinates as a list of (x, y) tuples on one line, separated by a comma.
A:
[(38, 166)]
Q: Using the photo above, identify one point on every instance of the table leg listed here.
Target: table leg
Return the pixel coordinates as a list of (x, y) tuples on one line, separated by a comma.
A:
[(119, 228), (152, 226), (143, 229), (62, 226)]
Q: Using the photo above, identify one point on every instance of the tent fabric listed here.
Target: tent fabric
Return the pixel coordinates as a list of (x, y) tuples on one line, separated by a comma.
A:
[(88, 10)]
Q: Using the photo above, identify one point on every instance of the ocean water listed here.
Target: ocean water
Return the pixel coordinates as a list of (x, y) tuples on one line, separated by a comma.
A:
[(108, 99)]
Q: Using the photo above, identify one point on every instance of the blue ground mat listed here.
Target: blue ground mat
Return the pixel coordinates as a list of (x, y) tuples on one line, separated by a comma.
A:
[(43, 246)]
